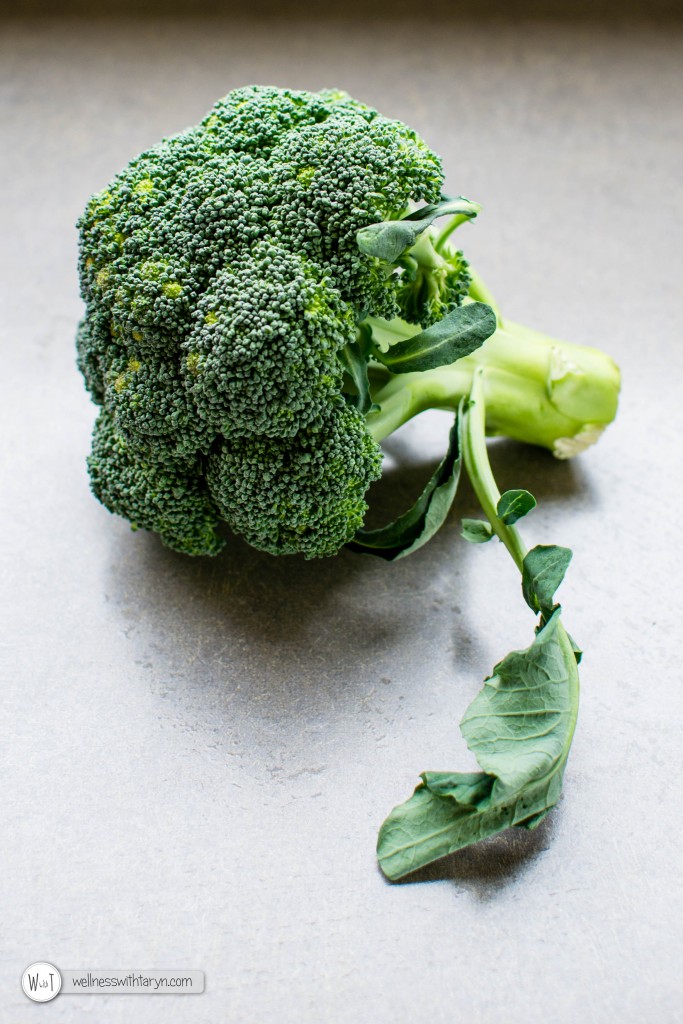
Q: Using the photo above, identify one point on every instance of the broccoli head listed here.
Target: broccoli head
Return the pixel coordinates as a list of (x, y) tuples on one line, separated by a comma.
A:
[(222, 279), (250, 285)]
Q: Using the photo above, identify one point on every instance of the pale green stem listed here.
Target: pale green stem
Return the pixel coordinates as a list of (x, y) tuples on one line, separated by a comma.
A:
[(537, 389), (445, 234), (476, 459), (479, 469)]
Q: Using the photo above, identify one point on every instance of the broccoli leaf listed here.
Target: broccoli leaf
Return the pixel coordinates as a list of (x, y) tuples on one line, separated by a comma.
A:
[(354, 359), (388, 240), (542, 572), (419, 524), (578, 652), (458, 334), (514, 505), (520, 728), (476, 531)]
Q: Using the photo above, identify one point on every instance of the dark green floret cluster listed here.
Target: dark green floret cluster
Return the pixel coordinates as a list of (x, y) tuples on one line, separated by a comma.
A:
[(222, 279)]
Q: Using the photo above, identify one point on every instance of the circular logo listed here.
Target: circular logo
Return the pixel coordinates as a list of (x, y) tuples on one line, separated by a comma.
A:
[(41, 982)]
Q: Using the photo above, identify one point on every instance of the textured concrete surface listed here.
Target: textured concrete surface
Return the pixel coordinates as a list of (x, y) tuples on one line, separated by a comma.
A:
[(197, 754)]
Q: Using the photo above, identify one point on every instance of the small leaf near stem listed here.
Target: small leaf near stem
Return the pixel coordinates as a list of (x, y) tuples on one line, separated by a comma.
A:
[(388, 240), (476, 531), (354, 359), (514, 505), (457, 334), (542, 572)]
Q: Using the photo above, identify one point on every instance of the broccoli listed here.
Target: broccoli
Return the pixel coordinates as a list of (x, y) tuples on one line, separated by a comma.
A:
[(268, 296)]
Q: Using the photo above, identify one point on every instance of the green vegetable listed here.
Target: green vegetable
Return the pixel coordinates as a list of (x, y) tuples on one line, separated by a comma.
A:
[(458, 334), (268, 297)]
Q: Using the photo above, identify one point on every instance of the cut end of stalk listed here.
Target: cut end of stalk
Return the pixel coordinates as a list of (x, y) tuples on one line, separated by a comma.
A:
[(568, 447), (583, 384)]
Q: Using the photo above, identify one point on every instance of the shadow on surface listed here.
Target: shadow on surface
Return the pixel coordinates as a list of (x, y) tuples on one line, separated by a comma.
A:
[(490, 866), (286, 634), (269, 627), (259, 592), (514, 465)]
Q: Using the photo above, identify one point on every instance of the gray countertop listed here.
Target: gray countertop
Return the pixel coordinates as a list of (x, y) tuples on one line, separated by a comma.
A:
[(197, 754)]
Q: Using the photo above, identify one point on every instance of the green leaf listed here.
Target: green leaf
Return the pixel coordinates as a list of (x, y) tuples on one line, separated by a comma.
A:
[(520, 728), (354, 359), (517, 724), (468, 788), (419, 524), (542, 572), (448, 207), (578, 653), (476, 531), (388, 240), (514, 505), (458, 334), (534, 821)]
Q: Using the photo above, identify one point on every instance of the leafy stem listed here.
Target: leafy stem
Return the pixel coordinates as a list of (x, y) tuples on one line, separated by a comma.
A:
[(479, 470), (521, 724)]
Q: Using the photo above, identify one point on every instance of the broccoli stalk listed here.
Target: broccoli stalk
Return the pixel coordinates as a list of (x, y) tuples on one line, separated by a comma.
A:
[(538, 390)]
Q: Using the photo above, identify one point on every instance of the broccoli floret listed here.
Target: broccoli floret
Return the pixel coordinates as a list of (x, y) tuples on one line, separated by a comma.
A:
[(433, 282), (297, 494), (96, 350), (262, 357), (238, 294), (153, 409), (166, 496)]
